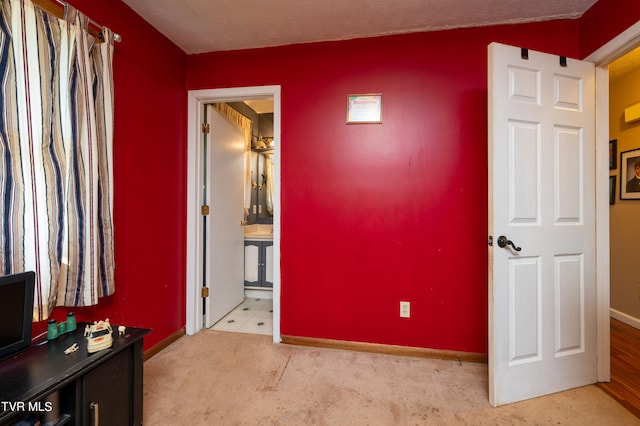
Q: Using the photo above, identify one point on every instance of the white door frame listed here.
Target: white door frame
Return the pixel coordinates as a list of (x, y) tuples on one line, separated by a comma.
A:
[(196, 101), (614, 49)]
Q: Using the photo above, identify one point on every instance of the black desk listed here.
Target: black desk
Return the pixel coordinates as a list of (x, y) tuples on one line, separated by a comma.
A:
[(83, 389)]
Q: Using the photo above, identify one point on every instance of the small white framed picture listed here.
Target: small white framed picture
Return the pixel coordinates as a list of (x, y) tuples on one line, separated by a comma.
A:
[(363, 109)]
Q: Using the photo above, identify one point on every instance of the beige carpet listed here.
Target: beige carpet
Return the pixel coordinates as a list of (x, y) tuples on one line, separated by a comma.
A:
[(222, 378)]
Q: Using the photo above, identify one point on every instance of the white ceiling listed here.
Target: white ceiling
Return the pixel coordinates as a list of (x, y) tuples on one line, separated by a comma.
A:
[(198, 26), (260, 106)]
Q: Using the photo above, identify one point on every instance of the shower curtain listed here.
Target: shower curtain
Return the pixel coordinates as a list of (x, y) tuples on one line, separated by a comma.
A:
[(268, 165), (56, 138)]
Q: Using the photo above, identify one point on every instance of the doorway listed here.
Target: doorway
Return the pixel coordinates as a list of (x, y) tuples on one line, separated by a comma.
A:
[(625, 323), (241, 295), (623, 75), (195, 276), (614, 49)]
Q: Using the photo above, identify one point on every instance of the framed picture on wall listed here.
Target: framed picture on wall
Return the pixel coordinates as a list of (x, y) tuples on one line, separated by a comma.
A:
[(364, 109), (612, 189), (630, 175), (613, 154)]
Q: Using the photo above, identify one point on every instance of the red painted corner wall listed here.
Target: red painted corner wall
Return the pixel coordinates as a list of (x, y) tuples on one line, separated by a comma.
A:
[(372, 214), (378, 213), (604, 21), (149, 177)]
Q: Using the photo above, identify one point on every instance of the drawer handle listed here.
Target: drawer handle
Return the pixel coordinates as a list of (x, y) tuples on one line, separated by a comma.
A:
[(95, 413)]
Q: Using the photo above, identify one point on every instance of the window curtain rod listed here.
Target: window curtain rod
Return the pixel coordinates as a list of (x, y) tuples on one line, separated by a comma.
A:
[(56, 8)]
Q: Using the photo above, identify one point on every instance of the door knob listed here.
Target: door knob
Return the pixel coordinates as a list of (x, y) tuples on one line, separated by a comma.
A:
[(504, 241)]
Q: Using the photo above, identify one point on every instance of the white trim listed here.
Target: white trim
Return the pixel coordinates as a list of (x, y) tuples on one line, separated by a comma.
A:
[(602, 224), (195, 107), (618, 46), (625, 318), (614, 49)]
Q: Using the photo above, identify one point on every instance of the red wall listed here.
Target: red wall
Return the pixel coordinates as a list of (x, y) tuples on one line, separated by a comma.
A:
[(371, 214), (604, 21), (149, 177), (375, 214)]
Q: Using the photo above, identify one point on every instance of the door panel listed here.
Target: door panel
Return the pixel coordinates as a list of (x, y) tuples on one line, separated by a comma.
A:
[(524, 306), (567, 186), (524, 192), (252, 263), (570, 298), (225, 237), (542, 304), (268, 265)]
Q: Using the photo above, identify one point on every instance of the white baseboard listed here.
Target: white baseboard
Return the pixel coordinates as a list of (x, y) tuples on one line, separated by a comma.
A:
[(258, 293), (625, 318)]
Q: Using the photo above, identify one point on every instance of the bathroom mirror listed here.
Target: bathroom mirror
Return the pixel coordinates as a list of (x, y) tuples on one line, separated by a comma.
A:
[(261, 187)]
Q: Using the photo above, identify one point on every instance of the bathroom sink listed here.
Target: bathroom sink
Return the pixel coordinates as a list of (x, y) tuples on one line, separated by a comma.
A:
[(258, 231)]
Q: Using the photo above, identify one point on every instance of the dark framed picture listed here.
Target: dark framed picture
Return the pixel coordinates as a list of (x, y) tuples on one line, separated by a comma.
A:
[(612, 189), (630, 175), (613, 154)]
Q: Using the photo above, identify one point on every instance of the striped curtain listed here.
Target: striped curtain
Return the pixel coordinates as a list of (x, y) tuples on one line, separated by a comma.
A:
[(56, 137)]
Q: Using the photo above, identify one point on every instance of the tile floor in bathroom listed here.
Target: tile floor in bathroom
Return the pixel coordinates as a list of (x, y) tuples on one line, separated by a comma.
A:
[(254, 315)]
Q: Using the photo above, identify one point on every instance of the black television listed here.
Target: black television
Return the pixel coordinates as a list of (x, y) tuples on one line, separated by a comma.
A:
[(16, 312)]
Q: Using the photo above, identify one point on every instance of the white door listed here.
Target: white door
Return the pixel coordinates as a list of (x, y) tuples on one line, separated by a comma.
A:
[(225, 236), (542, 298)]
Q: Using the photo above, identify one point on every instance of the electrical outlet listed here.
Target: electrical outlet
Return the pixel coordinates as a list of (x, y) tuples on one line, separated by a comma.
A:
[(405, 309)]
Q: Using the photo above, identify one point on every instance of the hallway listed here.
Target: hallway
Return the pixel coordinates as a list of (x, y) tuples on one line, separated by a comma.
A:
[(625, 366)]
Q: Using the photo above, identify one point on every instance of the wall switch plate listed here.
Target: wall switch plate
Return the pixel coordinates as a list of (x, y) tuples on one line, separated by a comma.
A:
[(405, 309)]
